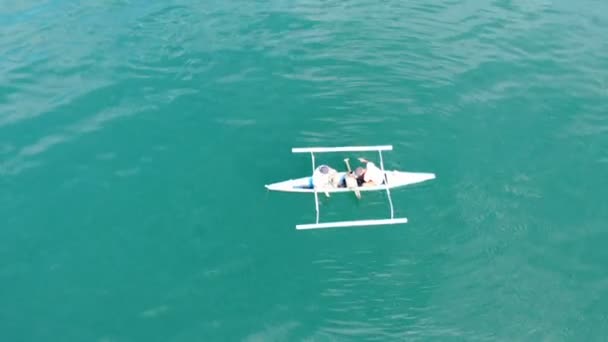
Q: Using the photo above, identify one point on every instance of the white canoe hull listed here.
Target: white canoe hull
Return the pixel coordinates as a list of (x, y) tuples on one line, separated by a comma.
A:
[(394, 179)]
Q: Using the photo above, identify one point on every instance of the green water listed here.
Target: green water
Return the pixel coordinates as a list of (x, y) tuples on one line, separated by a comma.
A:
[(136, 139)]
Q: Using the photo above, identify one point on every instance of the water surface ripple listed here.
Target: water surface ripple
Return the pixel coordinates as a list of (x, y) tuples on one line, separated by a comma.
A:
[(135, 140)]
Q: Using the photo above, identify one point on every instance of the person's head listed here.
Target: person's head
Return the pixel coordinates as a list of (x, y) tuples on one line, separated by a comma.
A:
[(324, 169), (359, 171)]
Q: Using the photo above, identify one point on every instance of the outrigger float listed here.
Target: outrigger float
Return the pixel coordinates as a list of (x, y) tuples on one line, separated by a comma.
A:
[(392, 179)]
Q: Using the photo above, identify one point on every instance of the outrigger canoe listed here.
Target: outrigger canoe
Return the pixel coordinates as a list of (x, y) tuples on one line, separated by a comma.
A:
[(393, 179)]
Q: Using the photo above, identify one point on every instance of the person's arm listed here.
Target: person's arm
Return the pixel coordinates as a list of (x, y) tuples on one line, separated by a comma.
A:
[(322, 188), (363, 160)]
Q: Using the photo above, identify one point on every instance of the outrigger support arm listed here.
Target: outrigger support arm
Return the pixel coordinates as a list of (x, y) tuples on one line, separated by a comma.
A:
[(357, 223), (342, 149), (312, 157), (388, 192)]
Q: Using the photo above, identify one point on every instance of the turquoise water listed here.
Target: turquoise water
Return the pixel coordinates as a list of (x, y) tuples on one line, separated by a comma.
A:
[(136, 139)]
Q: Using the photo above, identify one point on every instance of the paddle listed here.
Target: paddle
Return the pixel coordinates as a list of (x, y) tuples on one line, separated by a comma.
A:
[(350, 186)]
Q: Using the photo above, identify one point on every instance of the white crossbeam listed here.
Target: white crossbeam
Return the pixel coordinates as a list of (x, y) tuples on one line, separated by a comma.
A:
[(342, 149), (358, 223)]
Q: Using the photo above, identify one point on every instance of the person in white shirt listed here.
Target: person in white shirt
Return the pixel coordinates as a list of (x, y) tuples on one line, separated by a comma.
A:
[(371, 175), (324, 177)]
